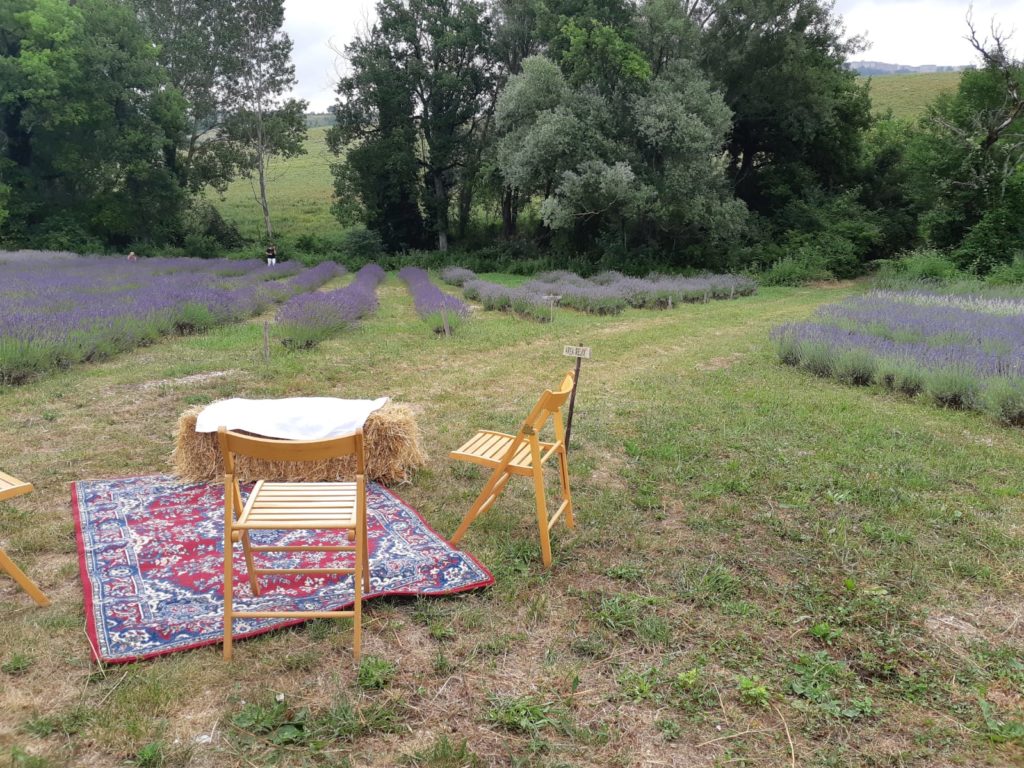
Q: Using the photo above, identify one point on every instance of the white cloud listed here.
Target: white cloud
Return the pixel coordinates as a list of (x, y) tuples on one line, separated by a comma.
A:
[(316, 27), (915, 32)]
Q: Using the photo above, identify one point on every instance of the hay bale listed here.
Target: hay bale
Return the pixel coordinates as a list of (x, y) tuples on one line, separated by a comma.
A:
[(392, 444)]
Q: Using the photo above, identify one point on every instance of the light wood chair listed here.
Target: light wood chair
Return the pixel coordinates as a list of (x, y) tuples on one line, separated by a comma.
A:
[(523, 453), (11, 487), (295, 506)]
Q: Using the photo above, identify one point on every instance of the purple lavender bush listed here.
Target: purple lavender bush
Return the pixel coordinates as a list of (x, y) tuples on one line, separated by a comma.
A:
[(961, 351), (309, 318), (457, 276), (440, 310), (57, 310)]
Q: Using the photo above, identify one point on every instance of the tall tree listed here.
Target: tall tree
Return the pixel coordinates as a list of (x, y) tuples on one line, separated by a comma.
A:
[(799, 113), (85, 112), (439, 52), (262, 124), (198, 47)]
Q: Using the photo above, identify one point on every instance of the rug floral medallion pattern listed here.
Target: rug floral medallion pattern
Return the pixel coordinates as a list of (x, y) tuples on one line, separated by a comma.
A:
[(152, 565)]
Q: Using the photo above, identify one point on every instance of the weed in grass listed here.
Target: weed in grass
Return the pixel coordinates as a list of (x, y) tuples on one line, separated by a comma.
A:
[(632, 615), (375, 673), (443, 753), (825, 632), (526, 714), (442, 665), (640, 686), (17, 664), (276, 721), (22, 759), (709, 586), (346, 721), (998, 730), (441, 629), (753, 691), (301, 661), (670, 730), (627, 572), (152, 755), (536, 609), (594, 645)]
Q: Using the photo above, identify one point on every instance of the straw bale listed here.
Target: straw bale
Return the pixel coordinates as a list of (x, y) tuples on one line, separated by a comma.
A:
[(392, 444)]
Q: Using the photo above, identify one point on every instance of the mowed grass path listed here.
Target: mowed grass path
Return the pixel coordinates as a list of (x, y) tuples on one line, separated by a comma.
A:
[(768, 569)]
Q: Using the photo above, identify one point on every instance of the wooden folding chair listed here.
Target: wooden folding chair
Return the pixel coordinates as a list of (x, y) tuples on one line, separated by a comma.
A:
[(295, 506), (10, 487), (523, 454)]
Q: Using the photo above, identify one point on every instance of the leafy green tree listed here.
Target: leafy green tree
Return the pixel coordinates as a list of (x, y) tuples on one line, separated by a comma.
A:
[(799, 113), (967, 162), (439, 53), (261, 124), (85, 113), (198, 44)]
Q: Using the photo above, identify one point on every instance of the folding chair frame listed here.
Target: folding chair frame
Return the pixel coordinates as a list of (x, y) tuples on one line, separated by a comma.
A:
[(517, 461)]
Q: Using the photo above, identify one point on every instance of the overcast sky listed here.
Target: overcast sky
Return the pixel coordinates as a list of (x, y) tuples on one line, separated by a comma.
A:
[(911, 32)]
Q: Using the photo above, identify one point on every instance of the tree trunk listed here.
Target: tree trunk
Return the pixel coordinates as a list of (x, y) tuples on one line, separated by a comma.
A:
[(465, 207), (508, 212), (262, 169), (441, 212)]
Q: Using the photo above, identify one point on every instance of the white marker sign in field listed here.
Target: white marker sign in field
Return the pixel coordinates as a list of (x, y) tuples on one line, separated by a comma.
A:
[(583, 352)]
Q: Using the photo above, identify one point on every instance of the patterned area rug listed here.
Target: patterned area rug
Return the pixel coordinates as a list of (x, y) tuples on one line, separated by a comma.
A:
[(152, 564)]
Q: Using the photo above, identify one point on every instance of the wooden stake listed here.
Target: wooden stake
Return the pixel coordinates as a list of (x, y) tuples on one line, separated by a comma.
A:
[(444, 321), (572, 403), (266, 341)]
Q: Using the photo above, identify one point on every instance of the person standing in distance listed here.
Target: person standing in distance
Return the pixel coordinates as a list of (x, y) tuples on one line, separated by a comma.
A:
[(271, 255)]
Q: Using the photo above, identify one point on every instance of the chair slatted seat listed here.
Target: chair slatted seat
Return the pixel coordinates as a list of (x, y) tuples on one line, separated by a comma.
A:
[(11, 488), (524, 454), (295, 506)]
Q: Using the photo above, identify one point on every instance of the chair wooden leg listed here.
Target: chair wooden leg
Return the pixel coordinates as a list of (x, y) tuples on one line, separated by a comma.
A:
[(542, 516), (22, 580), (228, 547), (250, 565), (499, 479), (366, 556), (357, 604), (563, 466)]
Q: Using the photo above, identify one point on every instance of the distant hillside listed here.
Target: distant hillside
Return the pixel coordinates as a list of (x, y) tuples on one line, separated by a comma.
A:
[(319, 119), (869, 68), (908, 95)]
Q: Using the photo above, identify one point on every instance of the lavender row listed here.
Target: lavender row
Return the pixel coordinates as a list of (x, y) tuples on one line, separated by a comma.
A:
[(959, 353), (441, 311), (56, 311), (307, 319), (606, 294)]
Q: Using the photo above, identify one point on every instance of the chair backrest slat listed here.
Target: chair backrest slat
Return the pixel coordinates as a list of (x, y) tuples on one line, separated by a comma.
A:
[(291, 450), (550, 402)]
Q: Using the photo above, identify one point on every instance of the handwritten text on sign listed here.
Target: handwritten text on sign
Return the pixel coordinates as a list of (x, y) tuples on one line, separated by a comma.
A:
[(583, 352)]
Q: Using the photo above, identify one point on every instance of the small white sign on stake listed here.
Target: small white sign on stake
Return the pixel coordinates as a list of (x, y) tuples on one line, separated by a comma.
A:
[(583, 352)]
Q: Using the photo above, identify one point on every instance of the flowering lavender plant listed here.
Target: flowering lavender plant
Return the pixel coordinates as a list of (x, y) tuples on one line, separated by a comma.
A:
[(57, 309), (441, 311), (309, 318), (963, 351)]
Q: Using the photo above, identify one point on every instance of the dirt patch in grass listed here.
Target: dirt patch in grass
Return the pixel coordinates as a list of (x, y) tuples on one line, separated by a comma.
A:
[(719, 363), (195, 378)]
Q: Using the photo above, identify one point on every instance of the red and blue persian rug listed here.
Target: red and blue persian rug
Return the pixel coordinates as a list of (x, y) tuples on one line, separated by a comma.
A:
[(152, 564)]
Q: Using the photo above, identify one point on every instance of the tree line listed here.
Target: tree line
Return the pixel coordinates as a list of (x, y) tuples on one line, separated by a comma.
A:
[(667, 133), (636, 134), (116, 116)]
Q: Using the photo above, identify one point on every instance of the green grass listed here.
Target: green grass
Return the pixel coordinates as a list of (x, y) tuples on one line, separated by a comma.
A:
[(908, 95), (300, 193), (767, 568)]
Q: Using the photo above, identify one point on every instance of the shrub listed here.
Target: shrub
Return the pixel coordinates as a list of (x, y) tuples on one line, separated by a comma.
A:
[(855, 366), (1004, 401), (952, 388), (361, 246), (793, 271)]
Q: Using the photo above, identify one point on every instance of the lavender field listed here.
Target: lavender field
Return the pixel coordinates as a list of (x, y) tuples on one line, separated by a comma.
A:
[(307, 319), (441, 311), (93, 307), (608, 293), (959, 350)]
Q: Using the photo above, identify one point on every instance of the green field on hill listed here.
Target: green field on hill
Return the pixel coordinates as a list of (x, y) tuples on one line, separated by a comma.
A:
[(908, 95), (300, 192)]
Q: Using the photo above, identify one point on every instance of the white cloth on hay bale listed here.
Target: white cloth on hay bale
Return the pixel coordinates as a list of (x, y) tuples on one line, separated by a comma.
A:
[(290, 418)]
